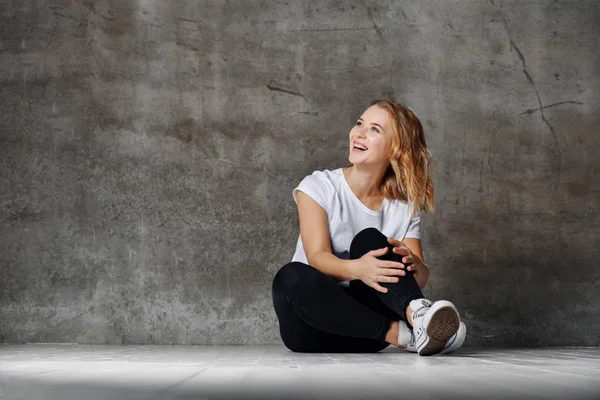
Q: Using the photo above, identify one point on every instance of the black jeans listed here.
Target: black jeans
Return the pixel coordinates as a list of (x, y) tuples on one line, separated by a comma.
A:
[(316, 314)]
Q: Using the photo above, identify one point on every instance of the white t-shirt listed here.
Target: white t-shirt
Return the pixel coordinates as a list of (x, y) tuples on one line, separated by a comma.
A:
[(347, 215)]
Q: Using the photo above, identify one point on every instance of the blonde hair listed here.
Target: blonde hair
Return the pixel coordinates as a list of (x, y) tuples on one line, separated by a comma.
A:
[(408, 176)]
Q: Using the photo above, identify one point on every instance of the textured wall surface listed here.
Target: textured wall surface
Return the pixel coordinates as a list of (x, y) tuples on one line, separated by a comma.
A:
[(148, 152)]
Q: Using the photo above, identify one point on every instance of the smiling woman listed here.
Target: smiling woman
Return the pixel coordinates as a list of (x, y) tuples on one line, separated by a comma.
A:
[(398, 143), (354, 283)]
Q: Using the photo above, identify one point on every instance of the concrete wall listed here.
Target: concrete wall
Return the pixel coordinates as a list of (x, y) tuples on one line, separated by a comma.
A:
[(148, 152)]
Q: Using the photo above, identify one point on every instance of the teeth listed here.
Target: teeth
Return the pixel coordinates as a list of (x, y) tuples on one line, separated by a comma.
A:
[(360, 148)]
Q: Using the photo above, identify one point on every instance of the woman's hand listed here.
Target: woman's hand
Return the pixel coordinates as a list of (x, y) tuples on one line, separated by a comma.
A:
[(412, 261), (372, 270)]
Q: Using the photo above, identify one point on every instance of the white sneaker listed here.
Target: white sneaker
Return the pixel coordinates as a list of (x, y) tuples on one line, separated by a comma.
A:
[(433, 325), (451, 345)]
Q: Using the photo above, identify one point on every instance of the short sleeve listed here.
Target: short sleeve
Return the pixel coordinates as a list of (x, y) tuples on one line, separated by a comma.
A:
[(318, 187), (414, 228)]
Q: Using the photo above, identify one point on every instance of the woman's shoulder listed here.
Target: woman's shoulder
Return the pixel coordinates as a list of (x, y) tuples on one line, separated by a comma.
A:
[(321, 185), (400, 207), (326, 175), (324, 180)]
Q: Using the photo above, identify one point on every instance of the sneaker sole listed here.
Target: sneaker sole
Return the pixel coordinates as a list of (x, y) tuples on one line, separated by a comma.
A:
[(461, 335), (444, 323)]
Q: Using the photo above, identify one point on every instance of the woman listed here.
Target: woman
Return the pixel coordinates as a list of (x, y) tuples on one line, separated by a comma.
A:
[(355, 280)]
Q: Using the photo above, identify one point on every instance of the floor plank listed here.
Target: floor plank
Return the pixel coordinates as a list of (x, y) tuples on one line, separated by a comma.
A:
[(69, 371)]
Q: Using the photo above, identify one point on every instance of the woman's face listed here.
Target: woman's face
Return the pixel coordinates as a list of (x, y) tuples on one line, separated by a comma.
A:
[(373, 131)]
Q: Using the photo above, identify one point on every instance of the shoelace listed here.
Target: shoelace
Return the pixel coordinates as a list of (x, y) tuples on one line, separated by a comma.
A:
[(412, 339), (417, 314), (421, 311)]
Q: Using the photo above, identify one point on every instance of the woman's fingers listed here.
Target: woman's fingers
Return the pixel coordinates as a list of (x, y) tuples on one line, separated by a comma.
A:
[(391, 272), (402, 250), (386, 278), (378, 252), (381, 278), (391, 264), (379, 288), (394, 264), (394, 242)]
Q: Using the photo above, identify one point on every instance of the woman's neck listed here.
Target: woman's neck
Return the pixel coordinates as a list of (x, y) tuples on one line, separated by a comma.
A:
[(365, 184)]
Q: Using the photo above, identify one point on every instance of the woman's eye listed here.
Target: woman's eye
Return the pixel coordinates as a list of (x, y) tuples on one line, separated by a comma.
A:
[(376, 130), (358, 123)]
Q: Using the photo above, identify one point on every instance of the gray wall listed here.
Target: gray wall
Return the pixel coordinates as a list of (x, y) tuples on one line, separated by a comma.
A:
[(149, 150)]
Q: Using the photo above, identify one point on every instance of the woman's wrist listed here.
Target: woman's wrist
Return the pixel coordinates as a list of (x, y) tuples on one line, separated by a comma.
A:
[(353, 268), (422, 274)]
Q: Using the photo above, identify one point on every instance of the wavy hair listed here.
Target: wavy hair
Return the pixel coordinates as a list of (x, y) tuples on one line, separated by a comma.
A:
[(408, 176)]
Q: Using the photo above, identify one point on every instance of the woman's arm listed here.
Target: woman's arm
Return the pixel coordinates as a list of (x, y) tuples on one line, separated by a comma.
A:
[(316, 241), (422, 274)]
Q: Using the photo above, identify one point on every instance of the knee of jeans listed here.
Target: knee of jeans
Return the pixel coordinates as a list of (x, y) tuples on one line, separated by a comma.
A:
[(371, 232), (369, 238), (289, 276)]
